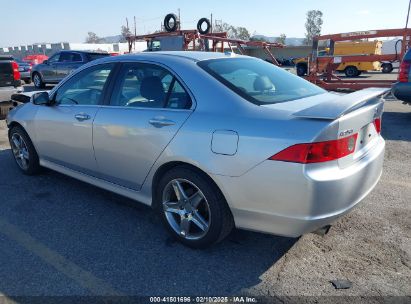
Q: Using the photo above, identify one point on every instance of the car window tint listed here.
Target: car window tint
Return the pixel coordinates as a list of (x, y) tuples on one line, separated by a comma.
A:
[(85, 88), (76, 57), (66, 57), (258, 81), (178, 98), (149, 86), (54, 58)]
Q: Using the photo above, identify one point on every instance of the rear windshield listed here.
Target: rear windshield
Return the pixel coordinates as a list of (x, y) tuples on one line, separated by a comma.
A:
[(258, 81), (94, 56)]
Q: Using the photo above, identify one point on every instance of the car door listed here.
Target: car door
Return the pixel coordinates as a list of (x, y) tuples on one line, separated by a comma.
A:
[(48, 70), (76, 62), (147, 107), (64, 130), (62, 66)]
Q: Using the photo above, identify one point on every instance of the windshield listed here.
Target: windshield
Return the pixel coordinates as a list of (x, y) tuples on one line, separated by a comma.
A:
[(258, 81)]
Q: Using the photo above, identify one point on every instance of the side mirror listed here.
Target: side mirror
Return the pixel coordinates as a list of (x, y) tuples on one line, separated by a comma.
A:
[(41, 98), (45, 62)]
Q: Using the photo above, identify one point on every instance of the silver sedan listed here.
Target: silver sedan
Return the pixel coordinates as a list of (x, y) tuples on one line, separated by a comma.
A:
[(212, 141)]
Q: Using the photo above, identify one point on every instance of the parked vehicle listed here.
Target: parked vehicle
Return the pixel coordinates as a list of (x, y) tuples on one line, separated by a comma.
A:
[(402, 88), (10, 82), (351, 69), (35, 59), (25, 70), (210, 140), (60, 65)]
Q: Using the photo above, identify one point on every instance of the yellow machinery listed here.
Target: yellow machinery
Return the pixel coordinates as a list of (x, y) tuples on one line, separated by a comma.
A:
[(351, 48)]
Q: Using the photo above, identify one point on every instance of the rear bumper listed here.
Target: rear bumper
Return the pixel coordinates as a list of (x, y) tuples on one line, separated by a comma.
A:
[(25, 75), (402, 91), (292, 199)]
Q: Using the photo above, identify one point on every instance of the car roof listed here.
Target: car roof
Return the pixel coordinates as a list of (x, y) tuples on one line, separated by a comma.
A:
[(84, 52), (193, 56)]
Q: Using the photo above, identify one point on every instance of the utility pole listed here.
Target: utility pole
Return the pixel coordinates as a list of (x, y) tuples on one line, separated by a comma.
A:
[(179, 22), (408, 14), (212, 22)]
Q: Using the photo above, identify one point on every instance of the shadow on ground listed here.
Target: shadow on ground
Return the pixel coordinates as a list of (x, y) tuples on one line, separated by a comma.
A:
[(397, 125), (60, 236)]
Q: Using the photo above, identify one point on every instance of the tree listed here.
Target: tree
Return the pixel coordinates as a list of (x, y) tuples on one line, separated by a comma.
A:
[(281, 39), (262, 39), (232, 31), (92, 38), (125, 31), (313, 25)]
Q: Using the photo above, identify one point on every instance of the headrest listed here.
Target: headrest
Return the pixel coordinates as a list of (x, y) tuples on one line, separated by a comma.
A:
[(262, 83)]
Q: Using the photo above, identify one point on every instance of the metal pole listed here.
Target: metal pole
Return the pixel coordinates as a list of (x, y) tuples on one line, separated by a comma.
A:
[(408, 14), (212, 22), (179, 22)]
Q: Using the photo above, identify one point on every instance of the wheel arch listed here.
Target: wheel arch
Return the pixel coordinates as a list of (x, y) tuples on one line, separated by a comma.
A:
[(170, 165)]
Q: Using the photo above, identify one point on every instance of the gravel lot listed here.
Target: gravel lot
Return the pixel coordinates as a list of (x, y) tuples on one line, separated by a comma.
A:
[(60, 236)]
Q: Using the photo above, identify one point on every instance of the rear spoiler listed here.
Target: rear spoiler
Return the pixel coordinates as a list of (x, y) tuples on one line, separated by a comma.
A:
[(340, 105)]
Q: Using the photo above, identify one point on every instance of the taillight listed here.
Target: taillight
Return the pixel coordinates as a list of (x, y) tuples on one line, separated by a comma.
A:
[(377, 125), (404, 71), (318, 152), (16, 73)]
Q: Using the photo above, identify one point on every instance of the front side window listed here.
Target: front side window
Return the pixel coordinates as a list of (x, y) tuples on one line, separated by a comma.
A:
[(54, 58), (85, 88), (149, 86), (258, 81), (66, 57)]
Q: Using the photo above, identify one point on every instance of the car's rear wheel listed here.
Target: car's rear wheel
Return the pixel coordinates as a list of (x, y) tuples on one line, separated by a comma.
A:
[(38, 82), (23, 150), (351, 71), (386, 68), (192, 208), (301, 70)]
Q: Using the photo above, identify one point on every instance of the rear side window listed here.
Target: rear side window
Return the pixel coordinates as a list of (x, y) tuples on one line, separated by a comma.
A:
[(5, 68), (258, 81), (94, 56), (149, 86)]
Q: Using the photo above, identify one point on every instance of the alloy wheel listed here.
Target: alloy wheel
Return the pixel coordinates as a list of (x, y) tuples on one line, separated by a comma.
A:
[(20, 151), (37, 80), (186, 209)]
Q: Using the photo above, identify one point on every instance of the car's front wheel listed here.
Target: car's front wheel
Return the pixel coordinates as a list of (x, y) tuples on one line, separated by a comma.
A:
[(23, 150), (38, 82), (192, 207)]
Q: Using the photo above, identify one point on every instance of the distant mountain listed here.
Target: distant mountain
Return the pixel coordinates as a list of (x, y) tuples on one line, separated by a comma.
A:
[(292, 41)]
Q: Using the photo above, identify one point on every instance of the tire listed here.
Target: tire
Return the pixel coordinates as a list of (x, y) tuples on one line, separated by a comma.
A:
[(386, 68), (23, 151), (38, 82), (167, 21), (301, 70), (204, 210), (199, 26), (351, 71)]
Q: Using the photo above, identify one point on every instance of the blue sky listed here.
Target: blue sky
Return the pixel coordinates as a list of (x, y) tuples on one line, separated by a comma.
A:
[(27, 21)]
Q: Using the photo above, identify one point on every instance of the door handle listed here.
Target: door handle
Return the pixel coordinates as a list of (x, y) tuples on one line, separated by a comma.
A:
[(159, 122), (82, 116)]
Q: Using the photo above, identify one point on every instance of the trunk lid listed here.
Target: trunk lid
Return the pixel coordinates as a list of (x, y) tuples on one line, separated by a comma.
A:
[(348, 114)]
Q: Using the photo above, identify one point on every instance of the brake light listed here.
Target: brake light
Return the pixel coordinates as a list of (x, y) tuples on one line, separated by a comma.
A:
[(318, 152), (404, 71), (16, 73), (377, 124)]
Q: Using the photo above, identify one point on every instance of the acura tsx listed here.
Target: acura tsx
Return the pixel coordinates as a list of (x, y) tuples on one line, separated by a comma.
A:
[(212, 141)]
